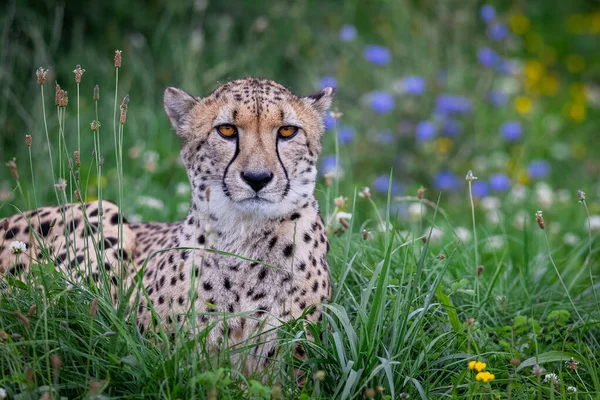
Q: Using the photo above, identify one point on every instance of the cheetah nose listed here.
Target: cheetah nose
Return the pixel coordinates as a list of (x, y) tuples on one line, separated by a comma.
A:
[(257, 180)]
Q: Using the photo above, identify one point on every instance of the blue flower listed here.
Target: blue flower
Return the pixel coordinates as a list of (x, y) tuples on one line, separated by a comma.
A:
[(348, 33), (414, 84), (425, 130), (450, 127), (329, 122), (345, 134), (487, 57), (381, 102), (328, 81), (507, 67), (511, 130), (538, 169), (446, 104), (381, 185), (445, 180), (480, 188), (328, 164), (385, 137), (497, 98), (377, 55), (499, 182), (497, 31), (487, 13)]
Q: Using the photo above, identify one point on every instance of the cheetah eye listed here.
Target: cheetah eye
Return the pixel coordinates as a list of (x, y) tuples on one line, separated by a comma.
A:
[(287, 131), (227, 131)]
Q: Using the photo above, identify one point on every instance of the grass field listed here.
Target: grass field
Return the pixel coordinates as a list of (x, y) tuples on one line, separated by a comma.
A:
[(447, 283)]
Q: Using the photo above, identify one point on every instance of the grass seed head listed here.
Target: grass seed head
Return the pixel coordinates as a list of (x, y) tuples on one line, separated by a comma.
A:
[(95, 125), (41, 74), (77, 195), (77, 158), (22, 318), (61, 184), (581, 195), (94, 307), (13, 169), (480, 270), (124, 105), (118, 58), (539, 219), (470, 176), (58, 94), (369, 393), (421, 193), (31, 311), (78, 71), (28, 140), (64, 100), (29, 375), (96, 93), (56, 362)]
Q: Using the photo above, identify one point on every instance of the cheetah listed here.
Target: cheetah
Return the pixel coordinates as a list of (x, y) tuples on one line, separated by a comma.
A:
[(253, 243)]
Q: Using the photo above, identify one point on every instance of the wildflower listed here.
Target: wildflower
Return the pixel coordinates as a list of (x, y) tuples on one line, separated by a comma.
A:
[(515, 361), (64, 100), (381, 102), (369, 393), (319, 375), (124, 105), (539, 219), (329, 122), (570, 239), (581, 195), (425, 131), (416, 210), (497, 31), (571, 389), (56, 362), (150, 202), (537, 370), (519, 23), (470, 176), (487, 13), (377, 55), (330, 165), (18, 247), (485, 377), (58, 93), (28, 140), (414, 85), (336, 115), (365, 193), (572, 364), (3, 393), (469, 322), (41, 74), (339, 202), (118, 58), (328, 81), (523, 104), (480, 269), (31, 311), (445, 180), (77, 158), (365, 234), (404, 395), (446, 104), (463, 234), (480, 189), (487, 57), (345, 134), (436, 234), (575, 63), (497, 98), (348, 33), (61, 185), (538, 169), (476, 365), (329, 178), (490, 203), (552, 378), (421, 193), (96, 96), (511, 130), (450, 127), (499, 182), (78, 71), (22, 318), (495, 243), (381, 184)]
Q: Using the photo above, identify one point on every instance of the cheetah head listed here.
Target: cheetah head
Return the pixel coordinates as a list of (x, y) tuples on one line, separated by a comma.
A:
[(252, 143)]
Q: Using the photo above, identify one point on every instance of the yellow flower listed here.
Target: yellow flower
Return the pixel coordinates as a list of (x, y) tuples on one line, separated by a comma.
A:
[(577, 91), (522, 177), (518, 23), (533, 70), (443, 145), (576, 111), (523, 104), (485, 377), (471, 365), (477, 365), (550, 85), (575, 63)]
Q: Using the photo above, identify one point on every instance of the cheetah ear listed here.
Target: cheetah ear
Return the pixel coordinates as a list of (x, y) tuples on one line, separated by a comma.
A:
[(178, 104), (321, 100)]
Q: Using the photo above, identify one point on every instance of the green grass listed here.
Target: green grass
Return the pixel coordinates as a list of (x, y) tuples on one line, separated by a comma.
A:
[(409, 309)]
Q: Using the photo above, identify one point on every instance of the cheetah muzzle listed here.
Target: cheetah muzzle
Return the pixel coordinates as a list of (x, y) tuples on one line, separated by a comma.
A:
[(250, 149)]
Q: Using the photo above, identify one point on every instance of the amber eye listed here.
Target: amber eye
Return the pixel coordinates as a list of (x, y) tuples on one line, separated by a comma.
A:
[(287, 131), (227, 130)]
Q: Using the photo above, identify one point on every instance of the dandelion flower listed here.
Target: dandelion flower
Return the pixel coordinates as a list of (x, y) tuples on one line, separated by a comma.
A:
[(18, 247)]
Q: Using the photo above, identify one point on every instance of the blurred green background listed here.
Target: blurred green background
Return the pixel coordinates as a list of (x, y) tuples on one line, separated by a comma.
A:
[(429, 89)]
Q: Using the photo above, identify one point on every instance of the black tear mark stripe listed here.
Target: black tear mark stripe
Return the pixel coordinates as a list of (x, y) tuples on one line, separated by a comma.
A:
[(237, 151), (287, 178)]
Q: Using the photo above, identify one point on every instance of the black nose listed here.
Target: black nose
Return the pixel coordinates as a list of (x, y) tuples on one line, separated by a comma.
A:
[(257, 180)]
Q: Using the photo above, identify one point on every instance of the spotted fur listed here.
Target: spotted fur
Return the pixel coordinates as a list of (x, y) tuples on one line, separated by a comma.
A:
[(277, 231)]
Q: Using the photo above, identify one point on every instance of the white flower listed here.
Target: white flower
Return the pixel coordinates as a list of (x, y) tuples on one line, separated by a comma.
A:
[(2, 393), (17, 247), (518, 193), (544, 195), (571, 389), (493, 217), (416, 210), (182, 189), (339, 202), (495, 243), (343, 215), (520, 219), (594, 223), (463, 234), (436, 233), (551, 377), (151, 202), (365, 193), (565, 196), (570, 239), (490, 203)]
